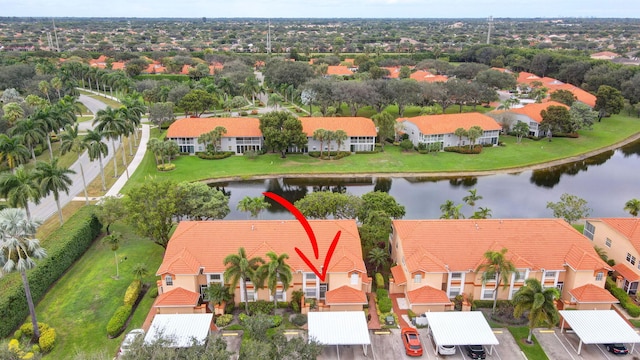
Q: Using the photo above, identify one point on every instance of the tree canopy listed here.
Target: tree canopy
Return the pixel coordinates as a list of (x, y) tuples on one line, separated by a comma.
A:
[(282, 130)]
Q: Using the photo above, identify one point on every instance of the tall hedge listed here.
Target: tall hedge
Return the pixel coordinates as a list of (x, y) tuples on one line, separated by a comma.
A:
[(64, 246)]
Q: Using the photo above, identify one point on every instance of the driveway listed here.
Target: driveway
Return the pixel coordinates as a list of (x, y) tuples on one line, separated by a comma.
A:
[(233, 339)]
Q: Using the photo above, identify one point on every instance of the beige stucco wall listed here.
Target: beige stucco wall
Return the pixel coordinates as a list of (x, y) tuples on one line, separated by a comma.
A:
[(419, 309), (592, 306), (574, 279), (620, 246), (176, 310), (345, 308), (187, 282)]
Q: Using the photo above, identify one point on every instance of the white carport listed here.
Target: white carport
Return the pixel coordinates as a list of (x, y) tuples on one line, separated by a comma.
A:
[(461, 328), (339, 328), (179, 329), (599, 327)]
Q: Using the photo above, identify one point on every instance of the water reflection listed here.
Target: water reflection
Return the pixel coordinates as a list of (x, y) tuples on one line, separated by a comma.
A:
[(550, 177)]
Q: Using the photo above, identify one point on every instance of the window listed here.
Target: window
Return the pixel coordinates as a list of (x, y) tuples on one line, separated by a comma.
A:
[(354, 279), (168, 280), (215, 278), (520, 275), (310, 292), (560, 286), (607, 242), (456, 276), (417, 278), (599, 276), (251, 295), (490, 277), (513, 292), (589, 230), (487, 294), (203, 292), (310, 276), (631, 259), (550, 274)]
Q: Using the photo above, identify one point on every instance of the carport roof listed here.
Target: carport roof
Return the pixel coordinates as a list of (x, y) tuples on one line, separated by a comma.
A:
[(179, 329), (460, 328), (339, 328), (600, 326)]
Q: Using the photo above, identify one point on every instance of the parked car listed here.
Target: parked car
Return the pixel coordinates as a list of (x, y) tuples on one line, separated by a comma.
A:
[(618, 349), (446, 350), (476, 352), (411, 340), (129, 339)]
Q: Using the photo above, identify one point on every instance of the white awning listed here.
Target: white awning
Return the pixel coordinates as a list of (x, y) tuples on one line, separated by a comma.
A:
[(339, 328), (179, 329), (600, 326), (460, 328)]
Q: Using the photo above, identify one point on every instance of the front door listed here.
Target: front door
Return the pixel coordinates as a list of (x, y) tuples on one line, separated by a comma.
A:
[(323, 290), (631, 287)]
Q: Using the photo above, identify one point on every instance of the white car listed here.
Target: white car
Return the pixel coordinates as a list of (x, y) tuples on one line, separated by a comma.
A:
[(128, 340), (446, 350)]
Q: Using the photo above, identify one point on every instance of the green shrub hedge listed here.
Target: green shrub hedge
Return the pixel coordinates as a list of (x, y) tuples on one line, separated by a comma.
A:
[(118, 320), (64, 246), (379, 281), (216, 156), (277, 320), (625, 301), (477, 149), (47, 340), (132, 293), (488, 304), (153, 292), (299, 319), (224, 320), (330, 155), (260, 307)]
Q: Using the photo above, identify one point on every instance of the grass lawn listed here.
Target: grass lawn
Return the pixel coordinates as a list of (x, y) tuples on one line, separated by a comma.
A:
[(512, 155), (635, 322), (533, 352), (81, 303)]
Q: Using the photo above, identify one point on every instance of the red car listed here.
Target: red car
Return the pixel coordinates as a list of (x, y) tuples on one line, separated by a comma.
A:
[(411, 341)]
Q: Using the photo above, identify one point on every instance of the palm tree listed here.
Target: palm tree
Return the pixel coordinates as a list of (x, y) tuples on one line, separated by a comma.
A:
[(482, 213), (50, 123), (339, 136), (451, 211), (275, 271), (31, 132), (56, 83), (114, 241), (96, 150), (20, 187), (111, 124), (218, 293), (251, 86), (496, 268), (274, 100), (154, 145), (253, 205), (170, 149), (472, 198), (239, 269), (140, 270), (632, 207), (69, 141), (44, 88), (378, 257), (12, 112), (12, 150), (539, 302), (460, 133), (18, 251), (54, 179), (320, 135)]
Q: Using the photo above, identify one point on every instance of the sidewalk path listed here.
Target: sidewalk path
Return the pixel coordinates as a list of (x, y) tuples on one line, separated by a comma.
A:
[(133, 165)]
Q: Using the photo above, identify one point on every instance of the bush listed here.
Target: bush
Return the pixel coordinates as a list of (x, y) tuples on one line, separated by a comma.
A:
[(251, 154), (379, 281), (47, 340), (382, 293), (260, 307), (254, 112), (132, 293), (35, 348), (224, 320), (367, 152), (476, 149), (406, 145), (228, 309), (27, 329), (411, 314), (295, 307), (277, 320), (153, 292), (64, 246), (299, 319), (216, 156), (17, 334), (622, 296), (243, 317), (243, 113), (329, 155), (633, 309), (385, 305), (166, 167), (118, 320)]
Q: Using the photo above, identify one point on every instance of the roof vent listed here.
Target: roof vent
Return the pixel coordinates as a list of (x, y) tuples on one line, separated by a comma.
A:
[(253, 227)]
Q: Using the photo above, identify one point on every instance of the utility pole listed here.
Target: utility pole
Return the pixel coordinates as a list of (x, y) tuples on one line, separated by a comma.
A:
[(55, 33), (489, 32), (269, 38)]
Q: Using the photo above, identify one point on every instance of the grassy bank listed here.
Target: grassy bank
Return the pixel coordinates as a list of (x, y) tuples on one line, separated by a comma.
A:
[(534, 351), (392, 160)]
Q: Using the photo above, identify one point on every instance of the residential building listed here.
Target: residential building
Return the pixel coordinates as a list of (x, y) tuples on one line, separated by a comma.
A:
[(437, 261), (425, 76), (361, 133), (430, 129), (604, 55), (530, 114), (339, 70), (619, 238), (554, 85), (242, 134), (196, 251)]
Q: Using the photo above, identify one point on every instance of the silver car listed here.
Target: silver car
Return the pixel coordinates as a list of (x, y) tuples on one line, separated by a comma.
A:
[(128, 340)]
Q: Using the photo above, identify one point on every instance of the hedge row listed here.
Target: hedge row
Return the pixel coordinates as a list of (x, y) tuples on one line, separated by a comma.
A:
[(384, 302), (625, 301), (477, 149), (488, 304), (64, 246), (216, 156), (133, 292), (118, 320), (330, 155)]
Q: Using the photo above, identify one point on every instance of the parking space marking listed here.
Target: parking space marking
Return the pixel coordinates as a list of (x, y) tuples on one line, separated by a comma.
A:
[(603, 352), (565, 348), (495, 351)]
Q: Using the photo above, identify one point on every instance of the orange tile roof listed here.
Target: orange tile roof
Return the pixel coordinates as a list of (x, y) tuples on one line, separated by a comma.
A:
[(398, 275), (394, 72), (605, 54), (527, 78), (194, 127), (626, 272), (428, 295), (448, 123), (345, 295), (628, 227), (533, 110), (502, 70), (117, 65), (353, 126), (185, 69), (592, 294), (426, 76), (577, 258), (155, 69), (338, 70), (581, 95), (178, 297), (531, 239), (211, 241), (215, 68), (182, 263)]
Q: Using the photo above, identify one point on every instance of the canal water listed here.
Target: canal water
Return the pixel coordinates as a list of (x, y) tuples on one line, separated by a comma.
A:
[(606, 181)]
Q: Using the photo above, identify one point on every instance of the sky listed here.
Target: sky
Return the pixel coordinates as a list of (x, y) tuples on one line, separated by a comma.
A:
[(322, 8)]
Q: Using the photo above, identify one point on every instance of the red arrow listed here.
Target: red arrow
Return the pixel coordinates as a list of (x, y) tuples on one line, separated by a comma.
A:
[(310, 234)]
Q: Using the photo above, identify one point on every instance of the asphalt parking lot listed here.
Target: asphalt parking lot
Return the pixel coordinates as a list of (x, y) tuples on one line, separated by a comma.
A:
[(564, 346)]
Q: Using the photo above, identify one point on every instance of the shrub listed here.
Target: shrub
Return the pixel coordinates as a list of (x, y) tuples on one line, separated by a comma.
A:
[(166, 167), (35, 348), (476, 149), (14, 346), (379, 281), (132, 293), (277, 320), (295, 307), (633, 309), (224, 320), (486, 304), (330, 155), (47, 340), (153, 292), (216, 156), (382, 293), (385, 305), (243, 113), (228, 309), (411, 314), (251, 154), (243, 317), (406, 145), (17, 334), (367, 152), (27, 329), (254, 112), (64, 246), (260, 307), (299, 319), (118, 320)]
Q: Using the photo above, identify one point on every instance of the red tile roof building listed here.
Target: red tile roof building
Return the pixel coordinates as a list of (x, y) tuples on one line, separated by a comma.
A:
[(430, 129)]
